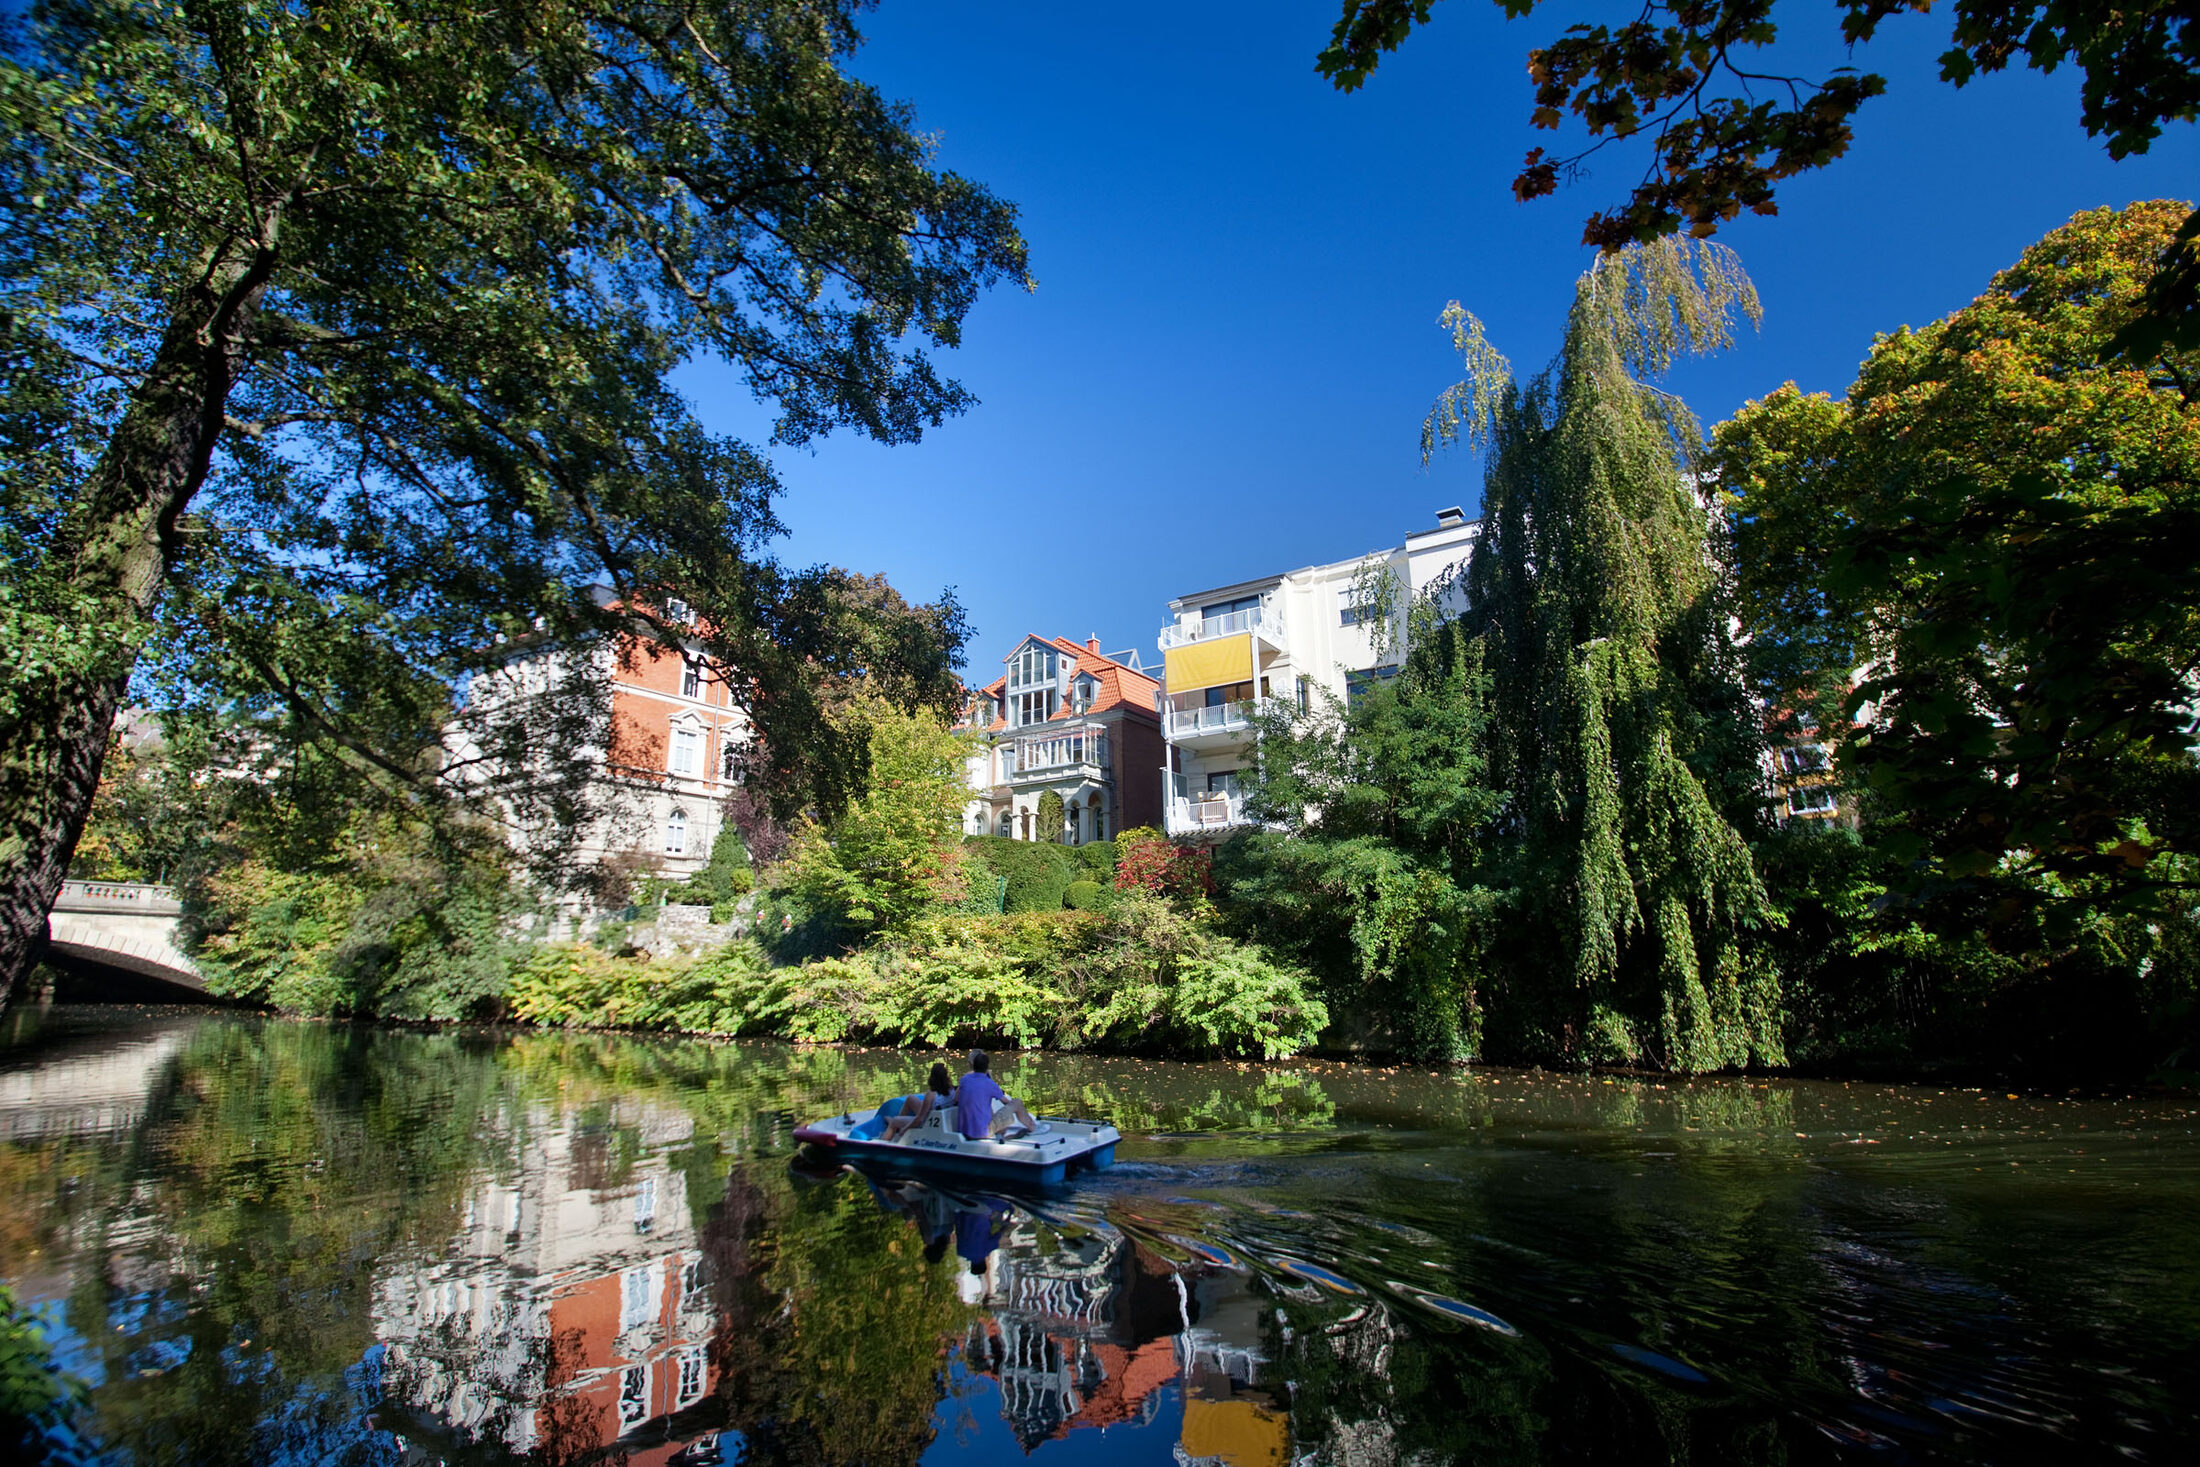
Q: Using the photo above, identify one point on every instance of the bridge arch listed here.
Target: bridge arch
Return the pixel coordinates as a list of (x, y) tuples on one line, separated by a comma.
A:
[(102, 928)]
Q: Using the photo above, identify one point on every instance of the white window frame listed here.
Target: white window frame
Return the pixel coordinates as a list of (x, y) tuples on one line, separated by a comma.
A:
[(677, 612), (691, 1374), (685, 755), (1813, 799), (691, 676), (676, 825), (633, 1396)]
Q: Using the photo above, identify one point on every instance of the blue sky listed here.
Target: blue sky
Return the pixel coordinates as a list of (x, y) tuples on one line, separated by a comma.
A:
[(1224, 368)]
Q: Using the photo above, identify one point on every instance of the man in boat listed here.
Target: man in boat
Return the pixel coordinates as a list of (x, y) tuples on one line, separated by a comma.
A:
[(974, 1099)]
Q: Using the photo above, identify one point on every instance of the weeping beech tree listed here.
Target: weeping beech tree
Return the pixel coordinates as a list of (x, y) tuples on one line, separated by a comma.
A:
[(1617, 724)]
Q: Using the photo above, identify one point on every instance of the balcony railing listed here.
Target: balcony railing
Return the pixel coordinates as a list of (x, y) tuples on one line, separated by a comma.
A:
[(1038, 756), (1260, 619), (1211, 811), (1220, 718)]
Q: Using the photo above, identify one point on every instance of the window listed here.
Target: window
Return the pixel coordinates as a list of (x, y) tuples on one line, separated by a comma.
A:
[(1351, 608), (691, 1373), (645, 1205), (1099, 820), (676, 833), (676, 611), (1035, 707), (637, 1297), (729, 761), (1357, 685), (1220, 610), (691, 1284), (1815, 800), (691, 677), (633, 1396), (1225, 783), (1085, 689), (1306, 693), (687, 751), (1031, 667), (1803, 758)]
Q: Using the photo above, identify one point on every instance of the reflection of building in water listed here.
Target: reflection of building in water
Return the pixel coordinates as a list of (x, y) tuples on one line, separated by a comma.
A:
[(1089, 1331), (573, 1307)]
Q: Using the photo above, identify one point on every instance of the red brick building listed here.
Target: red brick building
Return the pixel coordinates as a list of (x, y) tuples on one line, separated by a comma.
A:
[(1072, 719)]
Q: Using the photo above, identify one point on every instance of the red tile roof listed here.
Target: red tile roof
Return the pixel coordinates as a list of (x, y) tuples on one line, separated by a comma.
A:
[(1118, 683)]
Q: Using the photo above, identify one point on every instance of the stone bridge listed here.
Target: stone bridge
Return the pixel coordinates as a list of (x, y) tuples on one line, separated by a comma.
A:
[(100, 929)]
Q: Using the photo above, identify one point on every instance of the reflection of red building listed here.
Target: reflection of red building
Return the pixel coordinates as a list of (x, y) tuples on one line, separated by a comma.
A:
[(572, 1311)]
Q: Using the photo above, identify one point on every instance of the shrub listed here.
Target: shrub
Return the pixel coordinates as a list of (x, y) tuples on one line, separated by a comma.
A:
[(1037, 873), (1097, 859), (1085, 896), (984, 889), (1050, 818)]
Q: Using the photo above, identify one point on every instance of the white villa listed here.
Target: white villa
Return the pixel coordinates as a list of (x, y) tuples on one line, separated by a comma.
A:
[(1229, 652)]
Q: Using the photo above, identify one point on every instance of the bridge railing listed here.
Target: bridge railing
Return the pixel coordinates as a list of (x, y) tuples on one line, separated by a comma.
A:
[(118, 896)]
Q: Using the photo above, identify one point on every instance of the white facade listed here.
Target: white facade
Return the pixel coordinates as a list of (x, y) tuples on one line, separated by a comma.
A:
[(1280, 640)]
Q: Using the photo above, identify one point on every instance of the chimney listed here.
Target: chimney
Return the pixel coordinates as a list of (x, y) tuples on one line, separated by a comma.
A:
[(1450, 519), (1092, 645)]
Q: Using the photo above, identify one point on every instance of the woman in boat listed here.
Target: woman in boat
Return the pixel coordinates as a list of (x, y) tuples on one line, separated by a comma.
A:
[(938, 1090)]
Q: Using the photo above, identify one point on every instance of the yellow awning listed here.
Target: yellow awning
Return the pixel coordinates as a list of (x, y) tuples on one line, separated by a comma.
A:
[(1237, 1432), (1210, 664)]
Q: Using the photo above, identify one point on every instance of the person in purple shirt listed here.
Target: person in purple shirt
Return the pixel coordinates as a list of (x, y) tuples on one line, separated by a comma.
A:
[(974, 1099)]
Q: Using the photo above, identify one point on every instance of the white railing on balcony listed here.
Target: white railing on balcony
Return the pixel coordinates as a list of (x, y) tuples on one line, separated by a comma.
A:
[(1211, 811), (1220, 718), (1259, 619), (1035, 756)]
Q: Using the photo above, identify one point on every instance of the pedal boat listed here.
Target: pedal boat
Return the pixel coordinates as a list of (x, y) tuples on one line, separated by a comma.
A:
[(1042, 1158)]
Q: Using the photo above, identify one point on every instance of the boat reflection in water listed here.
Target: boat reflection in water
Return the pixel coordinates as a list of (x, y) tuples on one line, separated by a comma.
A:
[(1082, 1325)]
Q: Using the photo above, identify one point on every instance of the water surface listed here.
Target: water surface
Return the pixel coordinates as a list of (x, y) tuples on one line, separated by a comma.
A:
[(279, 1242)]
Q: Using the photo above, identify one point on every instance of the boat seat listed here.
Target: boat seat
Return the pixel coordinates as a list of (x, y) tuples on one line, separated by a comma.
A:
[(871, 1127)]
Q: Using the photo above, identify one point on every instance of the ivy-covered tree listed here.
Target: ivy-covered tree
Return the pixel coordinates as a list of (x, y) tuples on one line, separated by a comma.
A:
[(334, 346), (1618, 725)]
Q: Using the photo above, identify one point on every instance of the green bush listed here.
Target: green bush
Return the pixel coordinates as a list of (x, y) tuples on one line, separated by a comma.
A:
[(1037, 872), (986, 890), (1085, 896), (1142, 976), (1097, 857), (1047, 821)]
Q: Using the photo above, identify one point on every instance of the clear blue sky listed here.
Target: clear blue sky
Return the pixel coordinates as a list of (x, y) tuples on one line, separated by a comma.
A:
[(1224, 368)]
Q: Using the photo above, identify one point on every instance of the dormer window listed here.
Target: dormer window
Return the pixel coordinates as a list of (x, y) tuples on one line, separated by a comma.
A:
[(1085, 688), (676, 611), (1032, 667)]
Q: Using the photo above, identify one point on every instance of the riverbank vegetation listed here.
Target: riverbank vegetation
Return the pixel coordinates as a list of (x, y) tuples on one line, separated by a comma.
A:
[(1848, 735)]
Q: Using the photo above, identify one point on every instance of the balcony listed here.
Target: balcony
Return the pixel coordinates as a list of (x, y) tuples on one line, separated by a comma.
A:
[(1211, 813), (1056, 755), (1194, 725), (1261, 621)]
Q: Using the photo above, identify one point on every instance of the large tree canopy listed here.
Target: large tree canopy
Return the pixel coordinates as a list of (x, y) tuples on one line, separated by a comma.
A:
[(1726, 126), (334, 340), (1993, 536)]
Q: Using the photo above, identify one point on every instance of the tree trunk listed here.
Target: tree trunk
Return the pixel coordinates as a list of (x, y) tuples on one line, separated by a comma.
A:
[(116, 544)]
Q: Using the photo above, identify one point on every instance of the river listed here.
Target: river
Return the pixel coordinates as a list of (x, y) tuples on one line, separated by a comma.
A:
[(263, 1241)]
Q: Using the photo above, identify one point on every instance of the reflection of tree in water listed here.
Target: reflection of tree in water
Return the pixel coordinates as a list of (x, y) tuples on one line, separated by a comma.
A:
[(835, 1326)]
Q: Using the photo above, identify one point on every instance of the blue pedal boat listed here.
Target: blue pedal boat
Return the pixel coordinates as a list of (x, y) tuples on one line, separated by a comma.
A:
[(1042, 1158)]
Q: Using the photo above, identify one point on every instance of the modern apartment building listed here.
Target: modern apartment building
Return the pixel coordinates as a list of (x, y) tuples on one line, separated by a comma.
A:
[(1072, 719), (1230, 652)]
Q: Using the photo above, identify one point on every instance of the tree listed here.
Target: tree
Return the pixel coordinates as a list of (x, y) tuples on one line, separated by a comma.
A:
[(335, 342), (1724, 135), (1618, 725), (1386, 819), (1994, 532), (1050, 817), (893, 850)]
